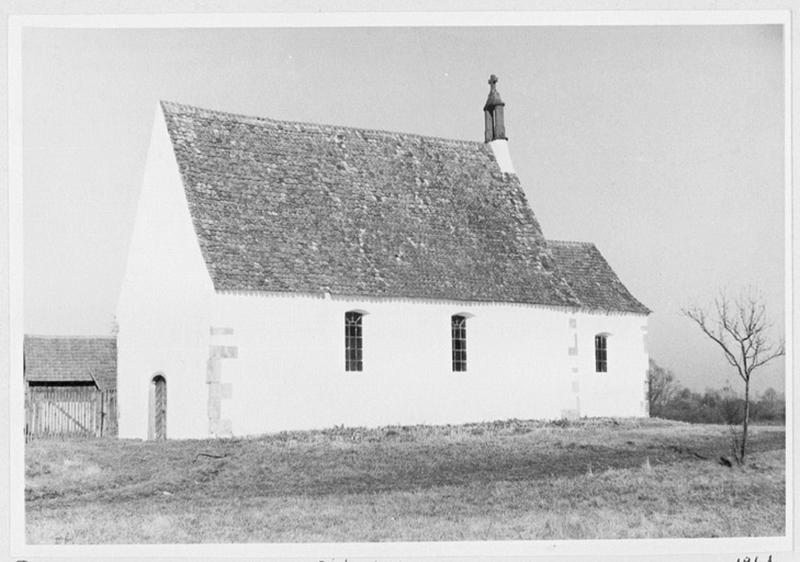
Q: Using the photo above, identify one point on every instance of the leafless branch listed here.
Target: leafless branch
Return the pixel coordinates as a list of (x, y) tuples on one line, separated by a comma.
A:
[(718, 333), (740, 328)]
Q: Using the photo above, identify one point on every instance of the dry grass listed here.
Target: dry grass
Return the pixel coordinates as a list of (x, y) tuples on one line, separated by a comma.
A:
[(509, 480)]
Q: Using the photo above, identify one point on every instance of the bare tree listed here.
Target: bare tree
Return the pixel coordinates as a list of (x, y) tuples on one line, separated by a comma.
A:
[(739, 326), (662, 388)]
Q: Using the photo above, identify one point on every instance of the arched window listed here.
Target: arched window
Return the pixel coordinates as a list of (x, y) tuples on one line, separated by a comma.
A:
[(353, 341), (601, 353), (458, 330)]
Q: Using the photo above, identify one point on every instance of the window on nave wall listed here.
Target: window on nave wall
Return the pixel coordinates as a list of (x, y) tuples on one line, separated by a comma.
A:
[(353, 341), (601, 353), (458, 327)]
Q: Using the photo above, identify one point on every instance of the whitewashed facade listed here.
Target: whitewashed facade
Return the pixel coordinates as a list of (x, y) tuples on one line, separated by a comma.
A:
[(245, 361)]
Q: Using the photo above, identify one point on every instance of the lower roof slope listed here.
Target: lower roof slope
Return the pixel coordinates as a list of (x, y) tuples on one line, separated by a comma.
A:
[(297, 207), (592, 279), (69, 359)]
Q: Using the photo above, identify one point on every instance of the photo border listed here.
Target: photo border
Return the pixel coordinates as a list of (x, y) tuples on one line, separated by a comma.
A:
[(727, 548)]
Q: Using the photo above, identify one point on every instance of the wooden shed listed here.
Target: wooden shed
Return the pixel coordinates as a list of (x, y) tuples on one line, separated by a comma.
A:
[(70, 386)]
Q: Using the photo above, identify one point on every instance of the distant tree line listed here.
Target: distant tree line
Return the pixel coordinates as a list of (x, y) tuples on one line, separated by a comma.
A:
[(670, 400)]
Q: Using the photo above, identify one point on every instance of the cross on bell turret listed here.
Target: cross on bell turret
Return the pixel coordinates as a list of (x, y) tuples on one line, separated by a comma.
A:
[(493, 113)]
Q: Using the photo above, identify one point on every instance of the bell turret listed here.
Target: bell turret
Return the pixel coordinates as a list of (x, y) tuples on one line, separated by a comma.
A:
[(493, 113), (496, 128)]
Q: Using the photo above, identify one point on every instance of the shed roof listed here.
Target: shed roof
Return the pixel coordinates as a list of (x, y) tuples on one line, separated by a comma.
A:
[(69, 359), (592, 279)]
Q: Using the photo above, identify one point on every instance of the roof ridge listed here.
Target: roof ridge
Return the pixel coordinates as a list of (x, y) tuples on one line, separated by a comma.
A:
[(194, 108), (568, 243)]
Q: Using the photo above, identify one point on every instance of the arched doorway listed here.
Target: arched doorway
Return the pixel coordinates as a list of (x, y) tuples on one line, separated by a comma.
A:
[(158, 408)]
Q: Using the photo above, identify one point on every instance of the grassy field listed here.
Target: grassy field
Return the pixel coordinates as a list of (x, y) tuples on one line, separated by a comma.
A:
[(503, 480)]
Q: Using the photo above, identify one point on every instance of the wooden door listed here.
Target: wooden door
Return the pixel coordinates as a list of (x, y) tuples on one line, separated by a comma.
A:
[(159, 408)]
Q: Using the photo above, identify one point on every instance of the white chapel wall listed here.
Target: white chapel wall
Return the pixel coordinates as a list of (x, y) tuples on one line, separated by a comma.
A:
[(163, 306), (621, 390), (289, 369)]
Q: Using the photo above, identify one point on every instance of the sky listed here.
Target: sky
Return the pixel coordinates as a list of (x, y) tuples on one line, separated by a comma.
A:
[(663, 145)]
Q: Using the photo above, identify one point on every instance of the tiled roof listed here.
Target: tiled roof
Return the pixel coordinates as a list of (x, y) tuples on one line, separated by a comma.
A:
[(61, 359), (592, 279), (297, 207)]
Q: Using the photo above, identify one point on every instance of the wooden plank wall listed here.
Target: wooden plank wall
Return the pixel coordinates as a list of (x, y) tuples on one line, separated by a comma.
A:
[(70, 412)]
